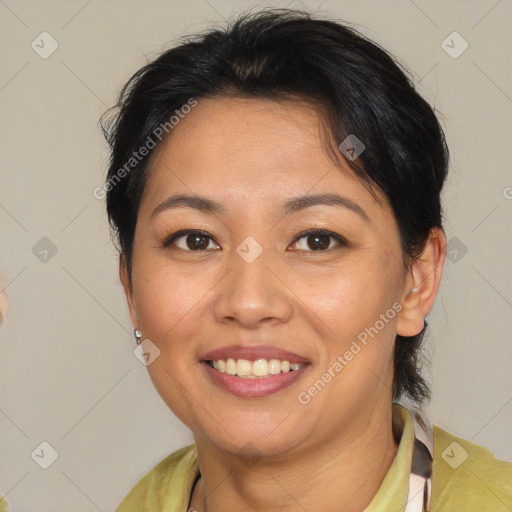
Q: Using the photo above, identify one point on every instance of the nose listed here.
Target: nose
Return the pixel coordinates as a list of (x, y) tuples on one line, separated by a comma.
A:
[(252, 293)]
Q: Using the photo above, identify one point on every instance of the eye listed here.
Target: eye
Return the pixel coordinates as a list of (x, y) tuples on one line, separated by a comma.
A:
[(190, 240), (318, 240)]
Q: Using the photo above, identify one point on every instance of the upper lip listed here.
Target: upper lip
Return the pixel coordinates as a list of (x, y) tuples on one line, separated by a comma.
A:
[(252, 353)]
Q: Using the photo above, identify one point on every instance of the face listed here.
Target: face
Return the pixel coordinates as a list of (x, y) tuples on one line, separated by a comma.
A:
[(310, 278)]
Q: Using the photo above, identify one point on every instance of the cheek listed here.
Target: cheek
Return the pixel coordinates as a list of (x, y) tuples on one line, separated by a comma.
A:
[(344, 302), (353, 309), (170, 303), (171, 307)]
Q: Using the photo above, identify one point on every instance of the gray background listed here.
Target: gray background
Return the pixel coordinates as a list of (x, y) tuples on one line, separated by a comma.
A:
[(68, 375)]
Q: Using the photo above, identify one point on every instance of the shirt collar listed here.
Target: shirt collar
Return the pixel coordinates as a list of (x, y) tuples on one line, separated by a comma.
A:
[(392, 494)]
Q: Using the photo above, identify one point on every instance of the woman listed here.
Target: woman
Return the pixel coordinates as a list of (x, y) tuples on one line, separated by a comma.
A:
[(274, 188)]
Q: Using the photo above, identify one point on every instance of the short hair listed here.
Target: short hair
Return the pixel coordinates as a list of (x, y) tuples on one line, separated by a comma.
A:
[(283, 54)]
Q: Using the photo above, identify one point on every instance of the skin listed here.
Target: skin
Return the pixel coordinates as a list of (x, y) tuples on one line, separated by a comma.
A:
[(251, 156)]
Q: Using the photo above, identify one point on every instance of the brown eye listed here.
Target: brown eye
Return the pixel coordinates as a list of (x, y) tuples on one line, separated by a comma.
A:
[(197, 242), (318, 241), (190, 241)]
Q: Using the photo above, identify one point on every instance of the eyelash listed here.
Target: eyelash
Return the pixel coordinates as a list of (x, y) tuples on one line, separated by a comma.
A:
[(303, 234)]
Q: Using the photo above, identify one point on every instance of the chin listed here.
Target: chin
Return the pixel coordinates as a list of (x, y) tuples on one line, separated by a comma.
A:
[(251, 440)]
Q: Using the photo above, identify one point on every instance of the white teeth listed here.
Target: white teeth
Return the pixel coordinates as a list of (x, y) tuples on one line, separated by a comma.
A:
[(274, 366), (260, 368), (252, 369), (231, 367), (243, 367)]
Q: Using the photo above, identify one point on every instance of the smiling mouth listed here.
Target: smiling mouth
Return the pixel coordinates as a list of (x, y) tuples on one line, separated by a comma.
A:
[(257, 369)]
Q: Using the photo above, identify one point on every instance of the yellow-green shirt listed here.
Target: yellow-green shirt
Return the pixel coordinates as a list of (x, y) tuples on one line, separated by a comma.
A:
[(478, 482)]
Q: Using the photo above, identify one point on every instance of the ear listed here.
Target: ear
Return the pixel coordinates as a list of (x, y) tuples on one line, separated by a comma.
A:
[(422, 284), (128, 290)]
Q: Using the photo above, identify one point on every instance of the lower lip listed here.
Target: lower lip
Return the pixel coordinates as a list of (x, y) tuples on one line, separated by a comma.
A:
[(254, 388)]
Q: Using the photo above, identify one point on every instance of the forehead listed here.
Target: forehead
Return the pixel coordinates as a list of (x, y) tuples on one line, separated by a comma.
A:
[(229, 131), (249, 150)]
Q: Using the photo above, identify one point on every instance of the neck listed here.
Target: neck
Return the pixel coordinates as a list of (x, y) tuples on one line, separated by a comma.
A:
[(341, 473)]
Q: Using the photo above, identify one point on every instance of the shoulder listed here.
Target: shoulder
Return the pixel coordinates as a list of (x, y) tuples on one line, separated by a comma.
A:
[(166, 486), (468, 477)]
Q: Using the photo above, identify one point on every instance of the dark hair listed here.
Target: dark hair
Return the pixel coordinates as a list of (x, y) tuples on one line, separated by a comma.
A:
[(280, 54)]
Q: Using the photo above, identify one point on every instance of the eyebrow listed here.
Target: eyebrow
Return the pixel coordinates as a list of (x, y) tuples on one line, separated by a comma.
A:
[(203, 204), (306, 201), (206, 205)]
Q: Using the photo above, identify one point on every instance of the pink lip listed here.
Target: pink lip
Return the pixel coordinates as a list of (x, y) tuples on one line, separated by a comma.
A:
[(254, 388), (253, 353)]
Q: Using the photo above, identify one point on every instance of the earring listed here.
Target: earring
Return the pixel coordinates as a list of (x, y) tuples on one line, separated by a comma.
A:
[(138, 336), (414, 290)]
